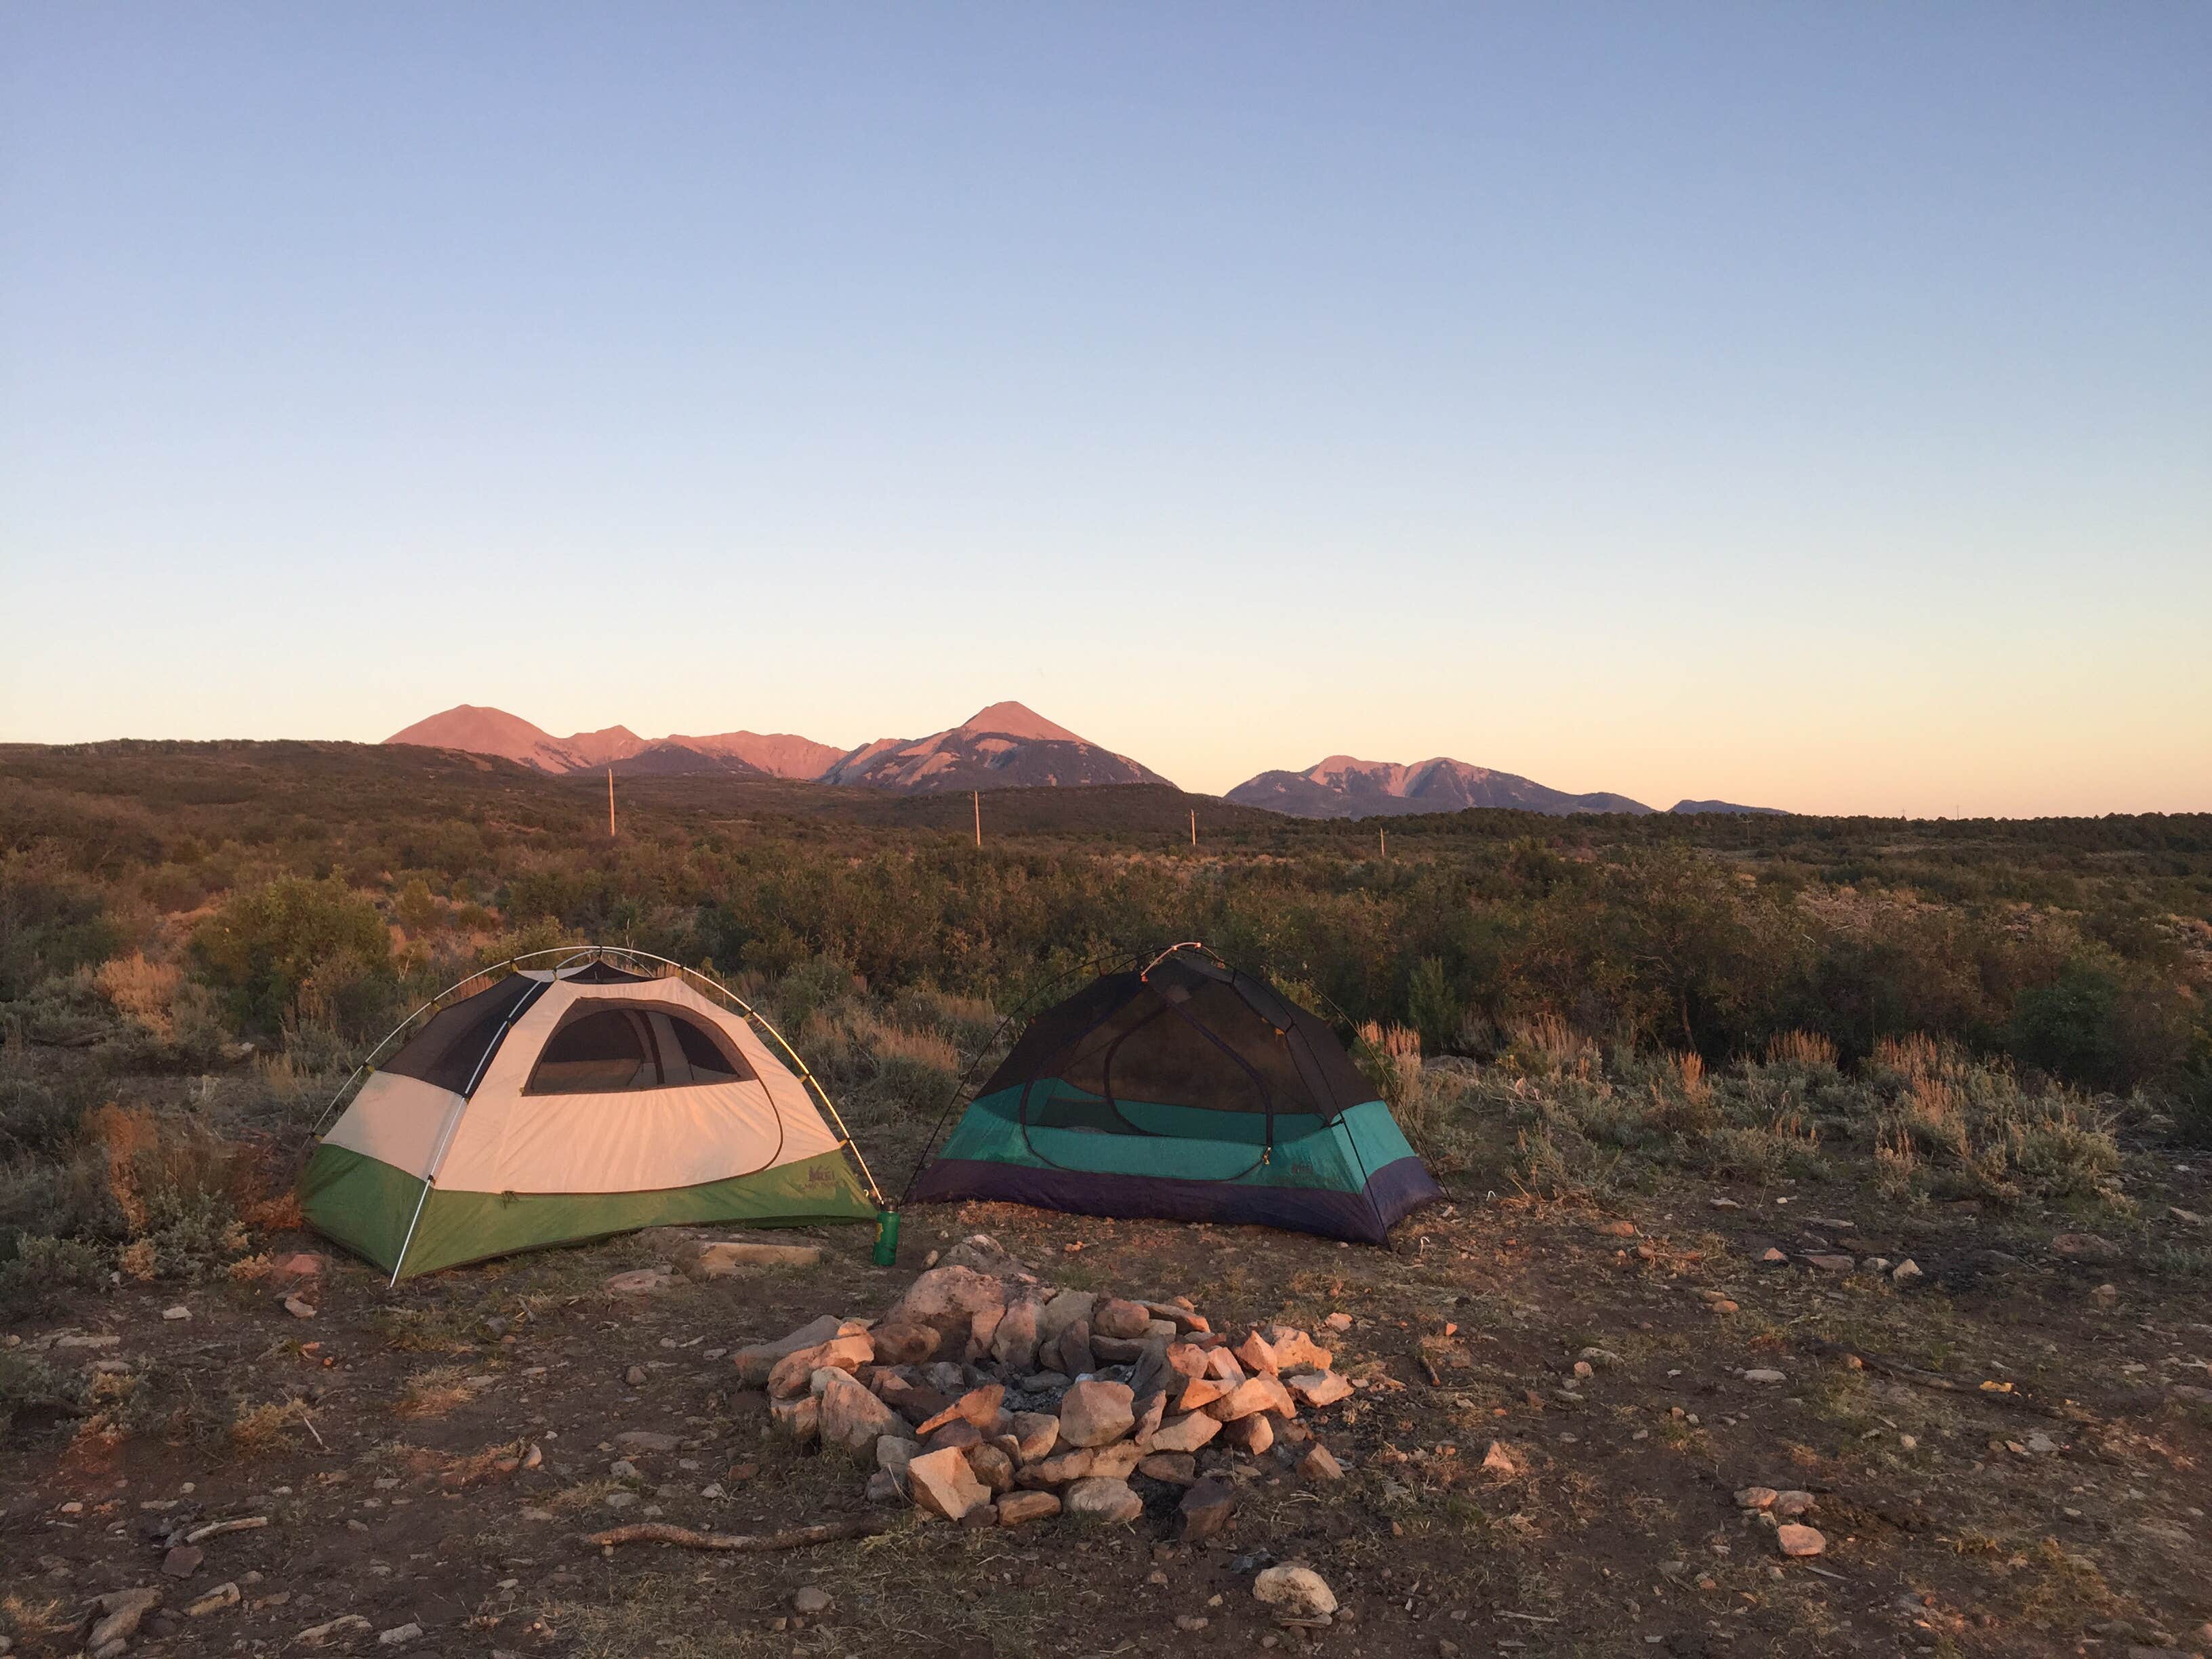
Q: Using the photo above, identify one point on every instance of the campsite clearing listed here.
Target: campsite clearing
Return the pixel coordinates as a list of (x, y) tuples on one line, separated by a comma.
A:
[(1551, 1425)]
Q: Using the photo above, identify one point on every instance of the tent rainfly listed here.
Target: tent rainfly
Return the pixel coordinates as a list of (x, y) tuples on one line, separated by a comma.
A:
[(598, 1093), (1187, 1089)]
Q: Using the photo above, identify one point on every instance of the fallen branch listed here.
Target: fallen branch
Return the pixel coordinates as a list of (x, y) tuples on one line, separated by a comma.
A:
[(745, 1543), (1900, 1372), (216, 1528)]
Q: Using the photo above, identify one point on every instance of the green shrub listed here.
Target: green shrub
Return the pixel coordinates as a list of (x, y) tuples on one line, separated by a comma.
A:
[(36, 1120), (30, 1386), (297, 949), (47, 1273)]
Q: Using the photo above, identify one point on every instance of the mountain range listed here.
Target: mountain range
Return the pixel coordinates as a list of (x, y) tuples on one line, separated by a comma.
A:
[(1008, 746), (1004, 746)]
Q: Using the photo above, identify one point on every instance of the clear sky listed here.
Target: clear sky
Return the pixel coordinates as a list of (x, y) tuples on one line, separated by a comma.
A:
[(1805, 403)]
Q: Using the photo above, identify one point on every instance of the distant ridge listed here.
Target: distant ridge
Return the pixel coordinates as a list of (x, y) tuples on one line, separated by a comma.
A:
[(1004, 746), (1343, 787), (1729, 806)]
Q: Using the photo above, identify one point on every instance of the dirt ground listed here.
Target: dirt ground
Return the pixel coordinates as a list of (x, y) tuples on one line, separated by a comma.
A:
[(2051, 1499)]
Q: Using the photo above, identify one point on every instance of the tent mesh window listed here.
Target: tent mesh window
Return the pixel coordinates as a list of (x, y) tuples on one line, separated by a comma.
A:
[(600, 1050)]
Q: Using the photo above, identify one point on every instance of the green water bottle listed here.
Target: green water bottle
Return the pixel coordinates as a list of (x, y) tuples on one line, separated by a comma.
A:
[(886, 1237)]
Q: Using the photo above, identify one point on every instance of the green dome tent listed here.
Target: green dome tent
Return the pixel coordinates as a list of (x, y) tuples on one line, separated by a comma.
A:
[(1185, 1089), (580, 1092)]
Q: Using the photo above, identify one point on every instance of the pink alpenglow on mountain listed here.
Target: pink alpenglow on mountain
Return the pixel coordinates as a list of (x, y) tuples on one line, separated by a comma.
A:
[(1343, 787), (1004, 746)]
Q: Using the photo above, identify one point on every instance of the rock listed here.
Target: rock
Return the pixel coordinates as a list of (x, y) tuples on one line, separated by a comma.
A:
[(977, 1405), (1180, 1313), (1905, 1272), (722, 1258), (852, 1418), (1256, 1354), (1317, 1389), (959, 1433), (1093, 1412), (1338, 1322), (1319, 1464), (1014, 1345), (1185, 1434), (1223, 1366), (119, 1612), (1184, 1359), (1295, 1592), (1104, 1498), (316, 1635), (942, 1483), (299, 1308), (647, 1440), (1117, 1462), (992, 1466), (800, 1418), (1789, 1506), (1116, 1317), (1500, 1460), (636, 1376), (639, 1281), (1827, 1262), (985, 1254), (222, 1597), (1764, 1376), (1063, 1312), (894, 1452), (794, 1374), (1295, 1350), (2086, 1247), (1253, 1435), (1772, 1257), (1062, 1467), (1177, 1468), (813, 1601), (399, 1636), (1756, 1497), (180, 1312), (1796, 1541), (955, 1298), (183, 1560), (1018, 1508), (1199, 1391), (1192, 1622), (1151, 1410), (301, 1264), (1206, 1510), (1070, 1352), (883, 1488), (2105, 1296), (1117, 1350), (756, 1362), (1036, 1432), (902, 1342), (1262, 1393)]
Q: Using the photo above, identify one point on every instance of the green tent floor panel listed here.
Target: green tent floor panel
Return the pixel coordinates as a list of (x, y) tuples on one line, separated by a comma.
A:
[(367, 1205)]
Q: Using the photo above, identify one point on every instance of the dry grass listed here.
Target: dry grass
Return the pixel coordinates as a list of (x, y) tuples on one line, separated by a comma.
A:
[(260, 1430), (434, 1392), (143, 991)]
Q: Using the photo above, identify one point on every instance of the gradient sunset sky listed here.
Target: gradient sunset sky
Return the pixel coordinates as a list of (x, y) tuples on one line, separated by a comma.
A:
[(1804, 404)]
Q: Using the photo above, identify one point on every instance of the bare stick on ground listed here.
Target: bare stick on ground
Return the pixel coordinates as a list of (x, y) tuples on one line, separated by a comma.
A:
[(748, 1543)]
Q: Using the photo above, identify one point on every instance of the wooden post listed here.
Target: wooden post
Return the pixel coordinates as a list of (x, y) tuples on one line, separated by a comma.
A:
[(977, 797), (1194, 826), (611, 803), (1383, 837)]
